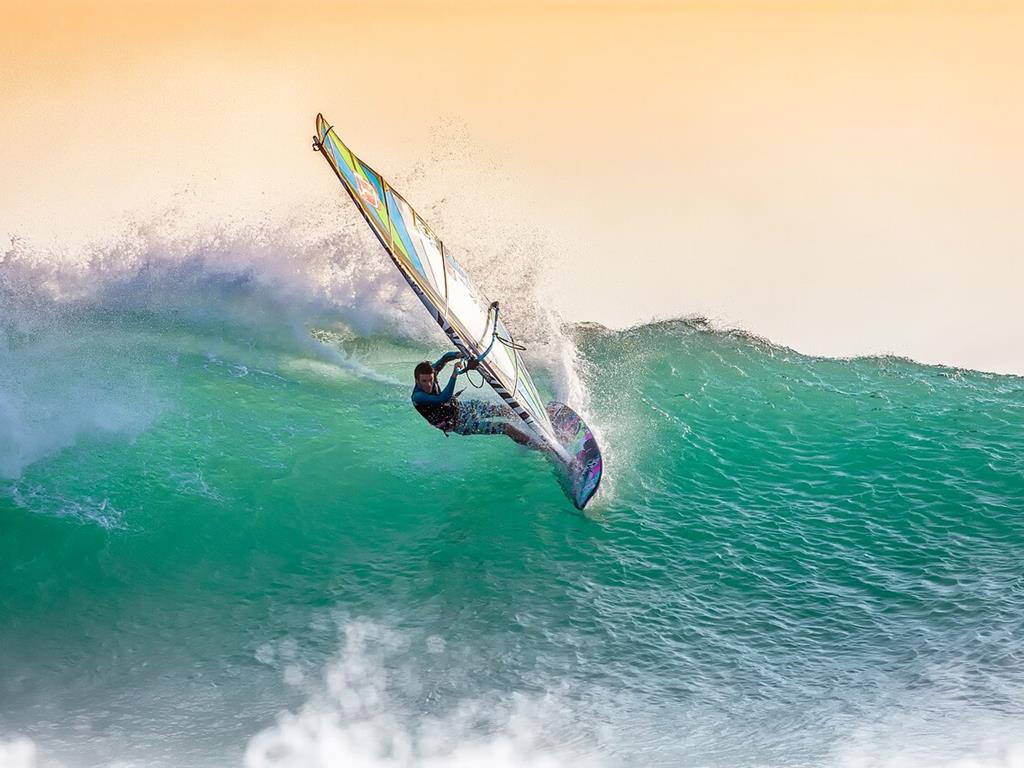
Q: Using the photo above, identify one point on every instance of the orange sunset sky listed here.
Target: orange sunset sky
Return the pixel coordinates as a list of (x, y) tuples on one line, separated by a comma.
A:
[(841, 177)]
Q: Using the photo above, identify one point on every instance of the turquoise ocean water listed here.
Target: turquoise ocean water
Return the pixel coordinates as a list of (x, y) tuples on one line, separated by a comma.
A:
[(225, 542)]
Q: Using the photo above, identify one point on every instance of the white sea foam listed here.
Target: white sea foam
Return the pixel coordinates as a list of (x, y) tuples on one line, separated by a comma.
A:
[(998, 754), (377, 704), (17, 753), (904, 738), (355, 717)]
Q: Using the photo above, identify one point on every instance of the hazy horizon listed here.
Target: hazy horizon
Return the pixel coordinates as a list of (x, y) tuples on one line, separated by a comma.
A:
[(841, 178)]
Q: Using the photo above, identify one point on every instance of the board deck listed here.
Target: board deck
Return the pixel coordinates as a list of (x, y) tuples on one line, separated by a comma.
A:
[(581, 476)]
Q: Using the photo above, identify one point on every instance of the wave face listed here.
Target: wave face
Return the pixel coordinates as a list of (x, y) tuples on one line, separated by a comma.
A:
[(229, 540)]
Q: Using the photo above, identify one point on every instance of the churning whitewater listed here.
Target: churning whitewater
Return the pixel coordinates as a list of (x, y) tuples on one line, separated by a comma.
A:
[(229, 541)]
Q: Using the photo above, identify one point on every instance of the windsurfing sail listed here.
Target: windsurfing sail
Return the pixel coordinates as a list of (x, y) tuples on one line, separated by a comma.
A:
[(470, 321)]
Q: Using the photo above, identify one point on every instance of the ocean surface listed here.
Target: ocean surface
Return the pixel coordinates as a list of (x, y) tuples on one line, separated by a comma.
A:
[(226, 539)]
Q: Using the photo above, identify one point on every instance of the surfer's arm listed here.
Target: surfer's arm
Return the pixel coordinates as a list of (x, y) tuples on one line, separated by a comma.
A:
[(444, 359), (428, 398)]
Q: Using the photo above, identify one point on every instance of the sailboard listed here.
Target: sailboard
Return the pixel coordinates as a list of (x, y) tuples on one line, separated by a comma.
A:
[(473, 324)]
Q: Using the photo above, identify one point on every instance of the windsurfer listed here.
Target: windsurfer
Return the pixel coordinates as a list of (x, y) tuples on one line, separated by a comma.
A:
[(443, 409)]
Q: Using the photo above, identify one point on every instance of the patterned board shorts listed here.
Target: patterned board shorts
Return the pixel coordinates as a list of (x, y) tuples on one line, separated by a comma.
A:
[(478, 417)]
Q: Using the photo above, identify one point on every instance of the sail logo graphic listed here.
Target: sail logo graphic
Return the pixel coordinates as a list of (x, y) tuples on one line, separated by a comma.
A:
[(368, 192)]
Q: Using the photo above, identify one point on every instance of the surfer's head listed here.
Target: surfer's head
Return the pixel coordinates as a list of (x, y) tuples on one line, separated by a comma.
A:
[(424, 373)]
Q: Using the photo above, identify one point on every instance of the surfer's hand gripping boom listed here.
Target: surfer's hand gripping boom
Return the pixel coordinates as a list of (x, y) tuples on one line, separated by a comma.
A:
[(465, 363)]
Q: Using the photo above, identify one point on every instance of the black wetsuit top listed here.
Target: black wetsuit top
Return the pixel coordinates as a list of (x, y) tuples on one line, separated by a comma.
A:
[(440, 407)]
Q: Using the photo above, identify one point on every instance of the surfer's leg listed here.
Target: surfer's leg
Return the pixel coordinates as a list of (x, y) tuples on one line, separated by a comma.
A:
[(491, 411), (497, 418), (477, 417), (522, 438)]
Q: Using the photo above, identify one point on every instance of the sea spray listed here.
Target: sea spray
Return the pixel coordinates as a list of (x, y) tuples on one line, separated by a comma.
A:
[(359, 714)]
